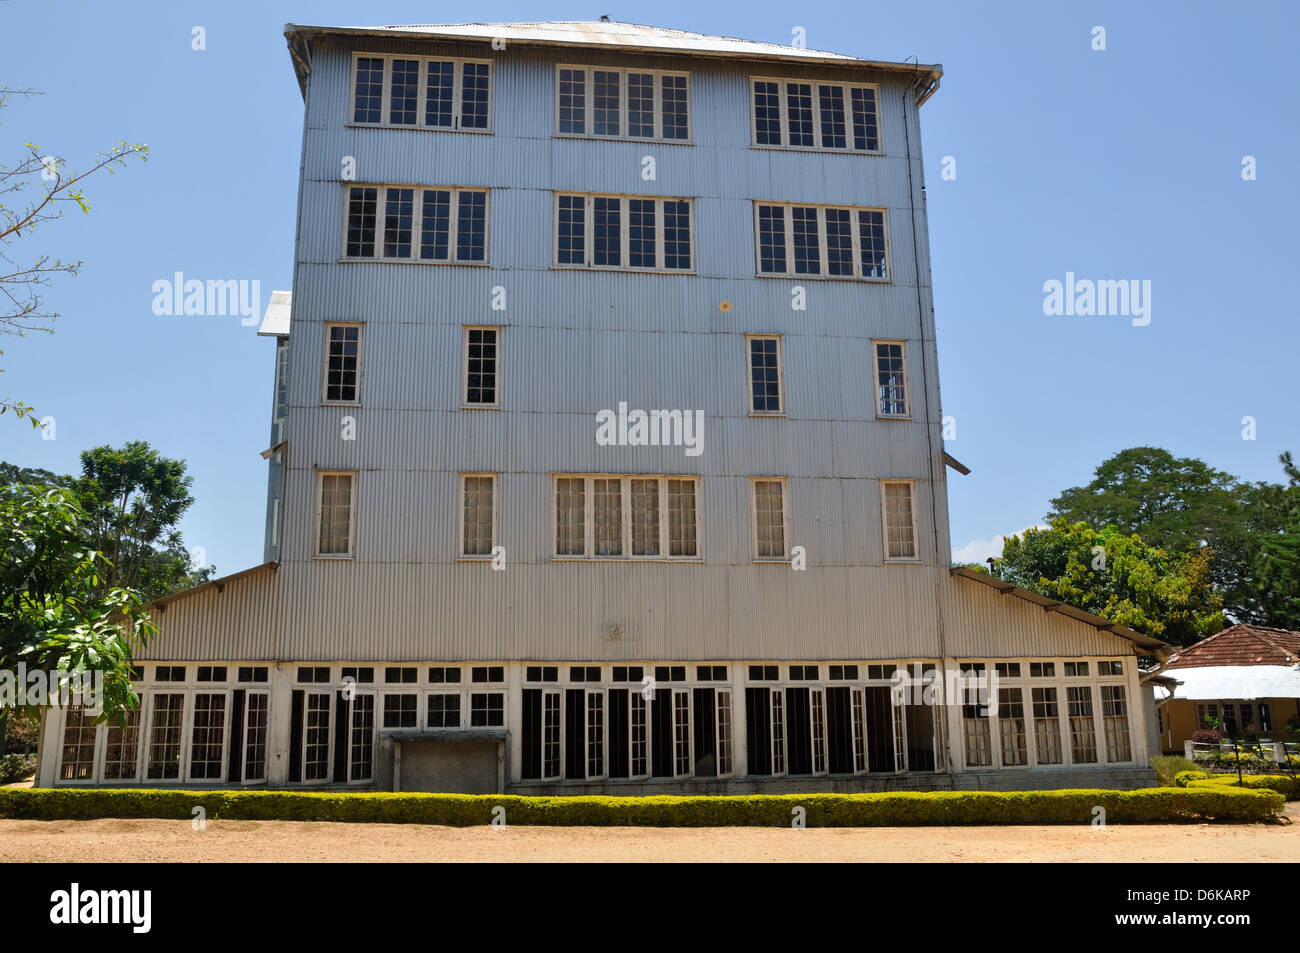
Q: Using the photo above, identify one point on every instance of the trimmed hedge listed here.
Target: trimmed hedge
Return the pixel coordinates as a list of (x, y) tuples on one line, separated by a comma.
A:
[(936, 808), (1286, 786)]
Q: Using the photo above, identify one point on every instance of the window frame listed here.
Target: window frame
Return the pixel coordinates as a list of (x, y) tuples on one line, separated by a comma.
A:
[(496, 510), (589, 225), (884, 521), (417, 222), (855, 236), (589, 105), (784, 119), (785, 519), (325, 363), (422, 90), (625, 490), (780, 375), (464, 390), (875, 380), (320, 512)]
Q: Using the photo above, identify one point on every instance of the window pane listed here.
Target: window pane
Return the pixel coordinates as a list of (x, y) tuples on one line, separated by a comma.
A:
[(471, 228), (641, 233), (571, 240), (764, 376), (767, 114), (645, 517), (444, 711), (677, 235), (606, 239), (607, 517), (770, 515), (605, 119), (164, 757), (1047, 726), (1011, 726), (438, 92), (256, 721), (1083, 732), (404, 93), (474, 96), (890, 380), (369, 90), (681, 518), (901, 543), (336, 513), (78, 757), (363, 203), (206, 736), (830, 100), (481, 366), (839, 241), (478, 516), (573, 101), (569, 505), (676, 122), (871, 234), (316, 737), (342, 363), (399, 219), (122, 751), (771, 239), (865, 133), (798, 98), (807, 253), (641, 105), (435, 225)]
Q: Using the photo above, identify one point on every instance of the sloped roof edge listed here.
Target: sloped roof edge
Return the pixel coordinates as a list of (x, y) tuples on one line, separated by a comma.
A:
[(219, 584)]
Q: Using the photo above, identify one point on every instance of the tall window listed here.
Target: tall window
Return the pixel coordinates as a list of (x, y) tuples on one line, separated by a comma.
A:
[(891, 378), (799, 114), (810, 241), (1114, 716), (78, 758), (1047, 726), (342, 363), (1083, 730), (975, 730), (482, 367), (422, 92), (433, 225), (164, 754), (622, 104), (898, 503), (769, 520), (623, 232), (616, 517), (765, 374), (122, 748), (478, 519), (207, 736), (335, 511), (1011, 726)]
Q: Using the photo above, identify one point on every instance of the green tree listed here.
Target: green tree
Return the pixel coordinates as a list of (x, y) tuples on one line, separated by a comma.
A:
[(1277, 564), (1119, 577)]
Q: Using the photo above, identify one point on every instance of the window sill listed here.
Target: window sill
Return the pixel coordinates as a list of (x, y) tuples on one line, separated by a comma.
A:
[(759, 413), (789, 277), (480, 406), (907, 419), (771, 561), (821, 150), (336, 558), (416, 128), (555, 266), (474, 559), (340, 403), (904, 561), (688, 560), (649, 139), (344, 260)]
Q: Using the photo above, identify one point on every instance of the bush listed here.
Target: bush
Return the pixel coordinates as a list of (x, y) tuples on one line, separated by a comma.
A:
[(935, 808), (1183, 778), (1206, 736), (16, 767), (1167, 766), (1288, 787)]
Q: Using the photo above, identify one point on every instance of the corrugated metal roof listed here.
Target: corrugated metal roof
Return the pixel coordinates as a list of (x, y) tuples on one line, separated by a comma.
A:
[(275, 323)]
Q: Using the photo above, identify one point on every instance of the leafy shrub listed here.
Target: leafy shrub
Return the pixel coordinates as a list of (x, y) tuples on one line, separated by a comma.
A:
[(934, 808), (1167, 766), (1286, 786), (1183, 778), (16, 767), (1206, 736)]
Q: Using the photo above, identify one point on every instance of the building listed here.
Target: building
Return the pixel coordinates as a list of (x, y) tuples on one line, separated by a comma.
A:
[(606, 452), (1246, 679)]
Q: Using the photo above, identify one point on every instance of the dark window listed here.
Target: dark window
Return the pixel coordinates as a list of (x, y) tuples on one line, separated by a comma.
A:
[(369, 90), (481, 366), (437, 99), (435, 225), (764, 376), (488, 673), (343, 364), (399, 220), (444, 711), (471, 229), (486, 709), (474, 96), (404, 92), (363, 204), (439, 676), (399, 675), (399, 711)]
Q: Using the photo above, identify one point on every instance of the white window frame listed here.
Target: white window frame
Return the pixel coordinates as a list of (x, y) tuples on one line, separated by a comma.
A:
[(884, 522), (785, 518), (589, 101), (625, 492), (464, 364), (417, 224), (307, 692), (784, 104), (496, 510), (191, 711), (855, 236), (243, 738), (625, 231), (325, 363), (422, 86), (376, 715), (320, 513), (875, 380), (780, 375)]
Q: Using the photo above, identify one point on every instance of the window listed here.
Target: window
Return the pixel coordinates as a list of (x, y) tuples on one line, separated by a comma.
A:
[(400, 710), (478, 513), (342, 364), (486, 709), (622, 104), (444, 710), (1083, 730), (1011, 726), (975, 729), (316, 737), (337, 499), (800, 114), (623, 232), (207, 736), (433, 225), (770, 528), (164, 754), (765, 374), (621, 517), (811, 241), (1114, 716), (482, 367), (896, 498), (1076, 669), (891, 378), (1047, 725), (78, 758), (256, 722), (421, 92), (122, 748), (1042, 669)]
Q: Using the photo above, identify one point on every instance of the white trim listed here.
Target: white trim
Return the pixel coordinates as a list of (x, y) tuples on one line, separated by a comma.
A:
[(875, 380), (784, 120), (780, 376), (855, 239), (352, 514), (785, 519), (884, 521), (625, 502), (589, 226), (417, 224), (464, 365), (325, 363), (422, 86), (589, 99), (496, 509)]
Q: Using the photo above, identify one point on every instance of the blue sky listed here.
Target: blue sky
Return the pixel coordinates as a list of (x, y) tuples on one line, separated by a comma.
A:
[(1116, 164)]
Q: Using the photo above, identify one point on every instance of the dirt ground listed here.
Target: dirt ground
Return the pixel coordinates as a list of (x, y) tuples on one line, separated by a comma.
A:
[(241, 841)]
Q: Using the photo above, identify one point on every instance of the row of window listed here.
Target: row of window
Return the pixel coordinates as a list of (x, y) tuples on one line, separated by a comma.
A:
[(1238, 718), (617, 517), (481, 366), (449, 225), (1063, 721), (607, 103)]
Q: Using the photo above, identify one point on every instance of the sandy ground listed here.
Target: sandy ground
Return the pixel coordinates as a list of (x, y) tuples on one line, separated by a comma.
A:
[(241, 841)]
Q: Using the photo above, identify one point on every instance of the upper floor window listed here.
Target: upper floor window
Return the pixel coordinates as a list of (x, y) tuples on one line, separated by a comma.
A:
[(771, 530), (634, 233), (617, 517), (335, 512), (422, 92), (622, 104), (482, 367), (342, 364), (800, 114), (765, 374), (433, 224), (891, 378), (821, 241), (478, 514), (898, 502)]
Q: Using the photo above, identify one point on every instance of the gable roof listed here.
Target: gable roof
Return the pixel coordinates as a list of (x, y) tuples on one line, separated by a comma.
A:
[(1241, 644)]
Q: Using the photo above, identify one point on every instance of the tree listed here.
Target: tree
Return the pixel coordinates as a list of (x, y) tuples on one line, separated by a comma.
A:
[(55, 613), (1119, 577), (22, 307), (1277, 565)]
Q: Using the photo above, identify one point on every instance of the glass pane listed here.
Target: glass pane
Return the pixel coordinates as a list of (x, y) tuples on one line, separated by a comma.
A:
[(471, 227), (438, 92), (369, 90), (573, 101), (605, 118)]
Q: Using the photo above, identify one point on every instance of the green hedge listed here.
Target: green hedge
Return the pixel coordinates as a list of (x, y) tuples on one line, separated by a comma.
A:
[(939, 808), (1286, 786)]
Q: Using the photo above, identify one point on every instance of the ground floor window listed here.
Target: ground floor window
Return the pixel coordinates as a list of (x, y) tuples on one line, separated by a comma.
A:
[(1047, 726), (165, 724), (78, 755), (122, 748), (1083, 730), (1114, 713)]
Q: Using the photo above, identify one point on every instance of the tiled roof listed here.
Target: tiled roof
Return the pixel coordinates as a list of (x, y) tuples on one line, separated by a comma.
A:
[(1241, 645)]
